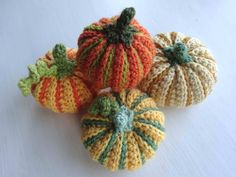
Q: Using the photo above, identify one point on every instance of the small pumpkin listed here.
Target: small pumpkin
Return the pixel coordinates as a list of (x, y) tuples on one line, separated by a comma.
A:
[(56, 82), (115, 52), (183, 72), (122, 130)]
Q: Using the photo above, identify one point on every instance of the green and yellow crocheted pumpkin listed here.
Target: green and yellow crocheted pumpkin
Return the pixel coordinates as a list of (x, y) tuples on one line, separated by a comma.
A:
[(183, 73), (56, 82), (115, 52), (122, 130)]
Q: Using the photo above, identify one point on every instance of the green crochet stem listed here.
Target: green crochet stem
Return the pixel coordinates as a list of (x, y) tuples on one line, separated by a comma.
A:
[(121, 116), (65, 67), (123, 119), (125, 18), (104, 106), (121, 31), (62, 67), (177, 54)]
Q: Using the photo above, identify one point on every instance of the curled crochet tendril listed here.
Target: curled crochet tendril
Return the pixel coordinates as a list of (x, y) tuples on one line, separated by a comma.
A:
[(61, 67)]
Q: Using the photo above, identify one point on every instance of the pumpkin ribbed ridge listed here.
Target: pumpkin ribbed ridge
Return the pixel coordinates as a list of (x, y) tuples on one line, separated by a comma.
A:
[(127, 137), (65, 94), (180, 84), (127, 64)]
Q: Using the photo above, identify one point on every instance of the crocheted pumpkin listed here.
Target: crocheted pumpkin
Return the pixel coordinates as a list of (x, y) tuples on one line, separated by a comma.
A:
[(122, 130), (115, 52), (56, 82), (183, 71)]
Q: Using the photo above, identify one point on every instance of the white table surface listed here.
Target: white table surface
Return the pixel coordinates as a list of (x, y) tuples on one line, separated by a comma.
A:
[(35, 142)]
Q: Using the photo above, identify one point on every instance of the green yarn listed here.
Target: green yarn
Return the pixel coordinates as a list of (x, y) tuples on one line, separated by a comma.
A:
[(122, 31), (152, 123), (35, 73), (93, 27), (121, 116), (139, 100), (125, 68), (146, 110), (87, 49), (118, 98), (123, 119), (108, 67), (123, 153), (177, 54), (91, 123), (104, 106), (108, 148), (97, 61), (61, 67), (147, 139), (65, 67), (90, 141)]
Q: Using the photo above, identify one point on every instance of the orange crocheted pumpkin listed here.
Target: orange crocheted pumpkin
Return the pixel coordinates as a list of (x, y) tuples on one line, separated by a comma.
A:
[(115, 52), (56, 82)]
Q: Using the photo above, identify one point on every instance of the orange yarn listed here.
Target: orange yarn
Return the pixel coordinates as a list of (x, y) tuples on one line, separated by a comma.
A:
[(115, 56)]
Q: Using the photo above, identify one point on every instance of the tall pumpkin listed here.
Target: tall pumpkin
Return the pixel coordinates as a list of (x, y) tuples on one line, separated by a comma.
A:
[(183, 72), (123, 130), (56, 82), (115, 52)]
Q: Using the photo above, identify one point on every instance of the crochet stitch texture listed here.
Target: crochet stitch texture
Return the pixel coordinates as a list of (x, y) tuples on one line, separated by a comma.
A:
[(122, 130), (183, 72), (115, 52), (55, 81)]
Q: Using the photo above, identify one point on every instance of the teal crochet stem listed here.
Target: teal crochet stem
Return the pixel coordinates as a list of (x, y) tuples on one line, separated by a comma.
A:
[(121, 116), (177, 54), (123, 119), (121, 31)]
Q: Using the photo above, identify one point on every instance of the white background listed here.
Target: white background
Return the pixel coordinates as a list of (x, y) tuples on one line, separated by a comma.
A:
[(35, 142)]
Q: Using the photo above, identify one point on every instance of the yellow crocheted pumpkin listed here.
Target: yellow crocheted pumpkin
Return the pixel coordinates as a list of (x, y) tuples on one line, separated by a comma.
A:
[(122, 130), (183, 71), (56, 82)]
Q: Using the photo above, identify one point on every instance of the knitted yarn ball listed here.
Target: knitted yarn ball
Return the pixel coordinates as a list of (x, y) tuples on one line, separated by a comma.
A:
[(55, 81), (115, 52), (183, 71), (122, 130)]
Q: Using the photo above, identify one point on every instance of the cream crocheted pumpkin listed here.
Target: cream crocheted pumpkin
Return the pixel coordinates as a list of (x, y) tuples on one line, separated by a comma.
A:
[(183, 71)]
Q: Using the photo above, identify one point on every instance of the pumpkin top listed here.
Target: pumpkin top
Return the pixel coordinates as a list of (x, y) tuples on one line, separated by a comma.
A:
[(123, 129), (65, 67), (120, 115), (177, 54), (121, 31), (118, 29), (61, 67)]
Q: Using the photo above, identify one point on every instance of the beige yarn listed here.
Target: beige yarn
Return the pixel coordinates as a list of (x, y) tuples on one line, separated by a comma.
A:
[(183, 84)]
